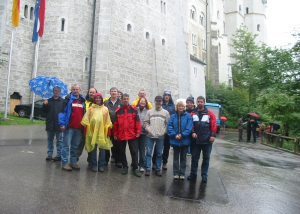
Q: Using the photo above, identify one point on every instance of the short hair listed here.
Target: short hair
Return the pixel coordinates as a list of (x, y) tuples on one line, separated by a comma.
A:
[(146, 106), (124, 95), (201, 98), (75, 85), (113, 88), (180, 103), (141, 90), (87, 97), (56, 87)]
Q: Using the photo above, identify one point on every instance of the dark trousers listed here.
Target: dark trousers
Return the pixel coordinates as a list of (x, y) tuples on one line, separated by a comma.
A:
[(196, 150), (254, 136), (248, 135), (114, 150), (81, 147), (166, 151), (132, 148), (179, 160), (240, 134)]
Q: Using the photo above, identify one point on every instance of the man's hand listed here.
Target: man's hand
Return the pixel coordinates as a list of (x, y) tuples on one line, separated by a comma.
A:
[(63, 128), (137, 135), (194, 135), (212, 139), (178, 137), (46, 102), (115, 137)]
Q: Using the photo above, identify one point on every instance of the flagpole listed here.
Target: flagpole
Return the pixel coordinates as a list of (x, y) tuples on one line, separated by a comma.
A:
[(8, 74), (36, 56)]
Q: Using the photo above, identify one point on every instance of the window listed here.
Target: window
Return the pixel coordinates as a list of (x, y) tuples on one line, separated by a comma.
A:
[(147, 35), (194, 39), (224, 27), (163, 7), (258, 27), (31, 13), (247, 10), (163, 42), (218, 14), (240, 8), (219, 48), (218, 33), (26, 11), (202, 19), (129, 27), (147, 2), (62, 24), (195, 71), (193, 13), (86, 64), (203, 44)]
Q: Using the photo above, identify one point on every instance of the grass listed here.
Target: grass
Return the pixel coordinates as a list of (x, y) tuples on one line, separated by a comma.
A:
[(13, 120), (288, 144)]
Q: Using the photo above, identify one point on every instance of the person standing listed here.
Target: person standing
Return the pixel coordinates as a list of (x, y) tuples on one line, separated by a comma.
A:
[(53, 107), (98, 125), (253, 128), (70, 124), (112, 104), (155, 124), (249, 131), (142, 110), (241, 126), (168, 105), (205, 129), (190, 108), (127, 128), (179, 129), (141, 94)]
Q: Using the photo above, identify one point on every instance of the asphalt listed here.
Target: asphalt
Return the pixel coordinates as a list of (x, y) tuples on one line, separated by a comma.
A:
[(243, 178)]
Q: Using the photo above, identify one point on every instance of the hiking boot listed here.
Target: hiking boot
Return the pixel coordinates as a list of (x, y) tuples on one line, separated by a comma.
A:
[(124, 171), (147, 173), (153, 166), (158, 173), (165, 167), (74, 166), (204, 179), (66, 167), (49, 157), (94, 169), (101, 170), (112, 160), (137, 173), (176, 177), (56, 159), (142, 169), (192, 177)]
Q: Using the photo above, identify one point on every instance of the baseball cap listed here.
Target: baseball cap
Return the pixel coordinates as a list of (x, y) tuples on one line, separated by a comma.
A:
[(158, 98)]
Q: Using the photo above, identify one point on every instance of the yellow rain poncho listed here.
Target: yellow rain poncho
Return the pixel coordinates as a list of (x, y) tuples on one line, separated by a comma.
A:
[(98, 125)]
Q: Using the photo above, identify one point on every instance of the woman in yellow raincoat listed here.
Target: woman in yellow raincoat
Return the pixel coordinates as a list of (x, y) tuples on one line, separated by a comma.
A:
[(98, 124)]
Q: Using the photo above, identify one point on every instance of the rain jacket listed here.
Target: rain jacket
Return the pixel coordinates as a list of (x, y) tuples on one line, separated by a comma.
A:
[(206, 127), (183, 125), (112, 108), (64, 117), (53, 108), (137, 100), (98, 124), (127, 124), (142, 114), (170, 107)]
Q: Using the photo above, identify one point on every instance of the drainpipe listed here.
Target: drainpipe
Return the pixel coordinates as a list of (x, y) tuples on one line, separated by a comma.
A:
[(206, 43), (92, 45)]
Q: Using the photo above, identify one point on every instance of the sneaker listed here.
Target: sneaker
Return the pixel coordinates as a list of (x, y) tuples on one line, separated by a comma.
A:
[(192, 177), (112, 160), (147, 173), (176, 177), (101, 170), (137, 173), (124, 170), (153, 166), (165, 167), (56, 159), (74, 166), (94, 169), (204, 179), (49, 157), (182, 177), (142, 169), (66, 167), (158, 173), (119, 165)]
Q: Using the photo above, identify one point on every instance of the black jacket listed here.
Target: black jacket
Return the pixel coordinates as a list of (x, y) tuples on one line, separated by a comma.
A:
[(112, 108), (54, 107)]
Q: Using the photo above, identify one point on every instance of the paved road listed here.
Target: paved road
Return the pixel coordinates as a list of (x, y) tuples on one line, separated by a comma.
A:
[(243, 178)]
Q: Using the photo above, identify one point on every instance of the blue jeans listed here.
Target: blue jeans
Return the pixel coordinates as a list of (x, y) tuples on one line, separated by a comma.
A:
[(179, 160), (70, 143), (101, 159), (196, 150), (159, 147), (50, 146), (141, 149)]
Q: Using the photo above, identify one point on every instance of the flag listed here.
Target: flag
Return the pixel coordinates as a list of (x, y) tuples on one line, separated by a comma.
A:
[(15, 14), (39, 14)]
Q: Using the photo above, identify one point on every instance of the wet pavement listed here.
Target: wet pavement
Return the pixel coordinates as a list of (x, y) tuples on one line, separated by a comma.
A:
[(243, 178)]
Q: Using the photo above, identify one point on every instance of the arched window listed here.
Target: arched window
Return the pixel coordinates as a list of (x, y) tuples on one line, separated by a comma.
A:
[(86, 64), (62, 24), (31, 13), (26, 11), (193, 13), (258, 27), (247, 10), (163, 7), (240, 8), (129, 27), (163, 42), (147, 35), (218, 14), (202, 19)]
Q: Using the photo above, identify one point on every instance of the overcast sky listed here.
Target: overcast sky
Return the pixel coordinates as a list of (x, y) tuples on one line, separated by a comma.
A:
[(282, 18)]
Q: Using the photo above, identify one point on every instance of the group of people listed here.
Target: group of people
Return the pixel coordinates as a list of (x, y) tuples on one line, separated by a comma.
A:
[(110, 124), (252, 126)]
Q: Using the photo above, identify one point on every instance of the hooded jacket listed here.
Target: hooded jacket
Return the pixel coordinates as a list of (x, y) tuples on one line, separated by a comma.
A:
[(137, 101), (183, 125), (53, 108), (170, 107)]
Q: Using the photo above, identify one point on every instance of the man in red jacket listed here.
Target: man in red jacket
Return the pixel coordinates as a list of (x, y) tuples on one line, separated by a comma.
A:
[(127, 128)]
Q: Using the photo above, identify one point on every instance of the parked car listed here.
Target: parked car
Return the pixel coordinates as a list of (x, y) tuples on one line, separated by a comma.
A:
[(25, 110)]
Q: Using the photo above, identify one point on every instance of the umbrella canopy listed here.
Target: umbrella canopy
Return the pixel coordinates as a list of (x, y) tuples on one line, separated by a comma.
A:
[(223, 118), (253, 114), (43, 86)]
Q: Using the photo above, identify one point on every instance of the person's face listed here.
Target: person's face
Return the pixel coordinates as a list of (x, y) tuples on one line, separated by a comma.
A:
[(142, 94), (92, 92), (75, 90), (98, 100), (125, 101), (167, 98), (200, 103), (114, 93), (56, 92), (180, 108), (190, 105), (142, 102), (158, 103)]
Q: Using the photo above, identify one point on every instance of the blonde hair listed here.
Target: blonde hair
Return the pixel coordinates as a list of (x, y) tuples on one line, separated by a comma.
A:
[(180, 103)]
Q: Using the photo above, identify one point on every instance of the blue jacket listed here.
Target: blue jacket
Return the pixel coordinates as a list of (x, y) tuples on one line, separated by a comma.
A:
[(186, 122), (170, 107), (64, 117)]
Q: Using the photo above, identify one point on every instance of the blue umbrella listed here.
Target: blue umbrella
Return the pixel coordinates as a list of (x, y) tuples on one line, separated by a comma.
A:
[(43, 86)]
